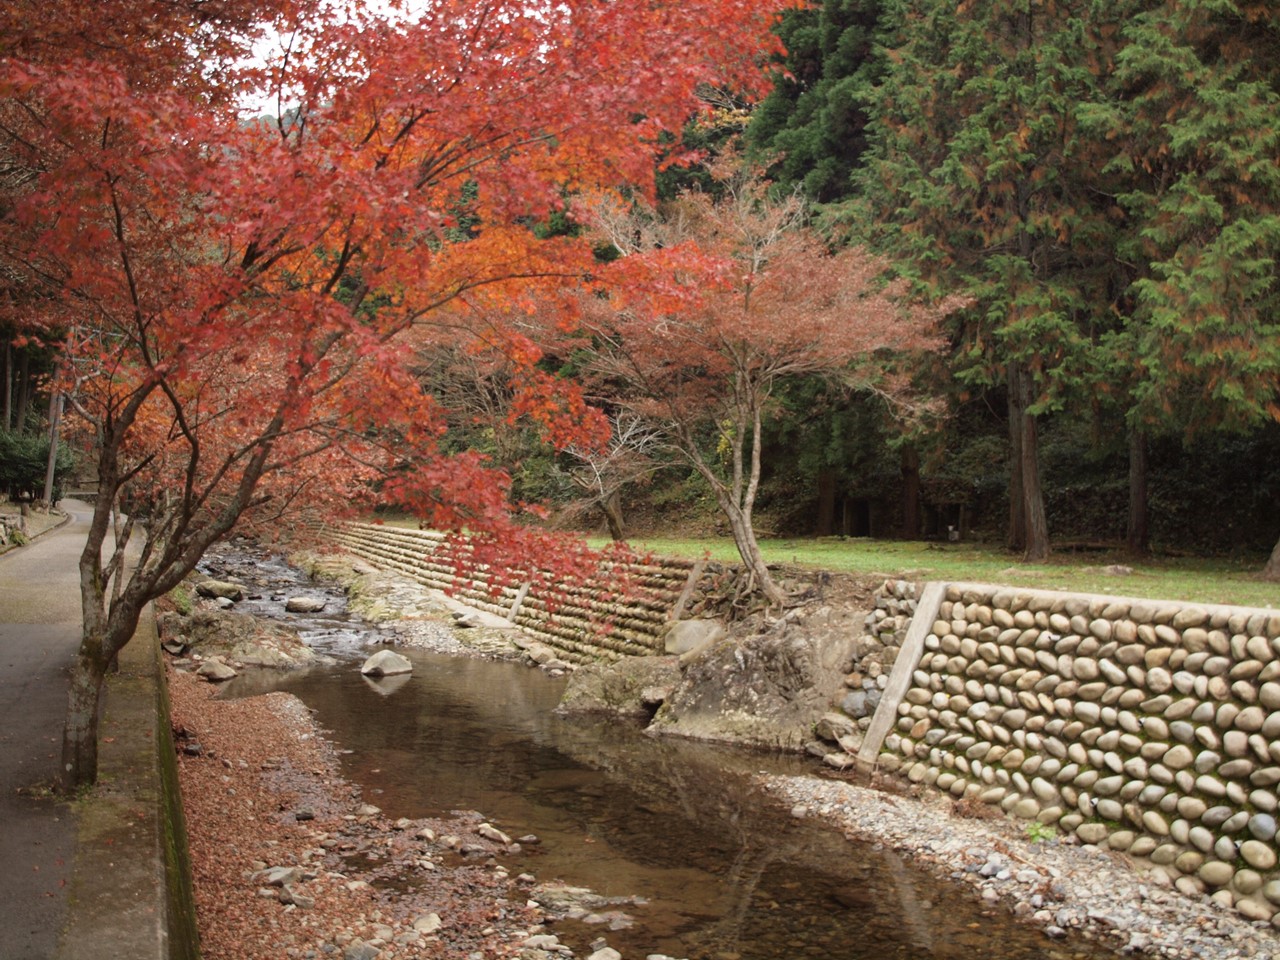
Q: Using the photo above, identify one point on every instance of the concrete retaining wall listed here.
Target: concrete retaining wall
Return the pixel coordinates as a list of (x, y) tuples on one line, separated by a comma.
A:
[(582, 621), (1147, 727), (131, 896)]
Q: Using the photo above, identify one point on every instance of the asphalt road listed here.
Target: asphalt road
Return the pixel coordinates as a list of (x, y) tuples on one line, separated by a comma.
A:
[(39, 633)]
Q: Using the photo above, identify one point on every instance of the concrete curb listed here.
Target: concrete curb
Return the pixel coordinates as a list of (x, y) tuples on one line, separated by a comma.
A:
[(130, 896)]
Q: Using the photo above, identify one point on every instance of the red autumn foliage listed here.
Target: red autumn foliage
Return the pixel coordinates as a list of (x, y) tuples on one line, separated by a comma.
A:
[(238, 302), (713, 303)]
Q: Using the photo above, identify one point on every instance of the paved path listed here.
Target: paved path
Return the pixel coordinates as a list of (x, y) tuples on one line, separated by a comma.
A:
[(39, 633)]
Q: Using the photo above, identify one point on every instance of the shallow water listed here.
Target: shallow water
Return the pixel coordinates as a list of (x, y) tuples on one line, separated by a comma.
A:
[(724, 873)]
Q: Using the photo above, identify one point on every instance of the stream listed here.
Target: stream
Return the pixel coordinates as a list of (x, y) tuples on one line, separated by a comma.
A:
[(710, 868)]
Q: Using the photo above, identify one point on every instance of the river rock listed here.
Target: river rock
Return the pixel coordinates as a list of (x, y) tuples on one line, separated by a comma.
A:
[(768, 689), (692, 636), (428, 923), (625, 687), (215, 671), (386, 663), (304, 604), (225, 589), (238, 637)]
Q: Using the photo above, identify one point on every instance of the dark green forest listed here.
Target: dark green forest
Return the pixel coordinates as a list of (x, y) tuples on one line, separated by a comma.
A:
[(1102, 182)]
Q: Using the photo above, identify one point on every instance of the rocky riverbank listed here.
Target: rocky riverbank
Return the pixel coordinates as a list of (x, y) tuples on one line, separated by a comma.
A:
[(369, 888), (1059, 884), (289, 862)]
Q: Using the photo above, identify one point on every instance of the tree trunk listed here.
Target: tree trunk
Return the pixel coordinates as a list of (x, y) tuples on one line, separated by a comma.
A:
[(744, 538), (826, 502), (80, 733), (8, 385), (1138, 539), (1272, 570), (910, 467), (1035, 523), (23, 387), (611, 506), (1016, 538), (55, 421)]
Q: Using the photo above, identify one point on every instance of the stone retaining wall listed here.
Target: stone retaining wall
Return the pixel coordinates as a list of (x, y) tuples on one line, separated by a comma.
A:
[(1143, 726), (582, 622)]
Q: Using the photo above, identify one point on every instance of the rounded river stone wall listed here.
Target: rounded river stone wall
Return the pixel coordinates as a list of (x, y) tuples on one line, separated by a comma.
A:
[(1146, 727)]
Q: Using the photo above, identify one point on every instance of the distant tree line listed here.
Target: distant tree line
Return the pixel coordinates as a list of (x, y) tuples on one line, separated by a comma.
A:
[(1104, 183)]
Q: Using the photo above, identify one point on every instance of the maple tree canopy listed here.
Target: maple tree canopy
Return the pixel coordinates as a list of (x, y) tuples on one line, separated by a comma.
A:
[(236, 302)]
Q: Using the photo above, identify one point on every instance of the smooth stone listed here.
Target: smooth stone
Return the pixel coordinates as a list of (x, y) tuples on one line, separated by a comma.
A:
[(386, 663), (1259, 855), (1179, 757), (1265, 800), (1235, 743), (1236, 822), (1109, 809), (1164, 854), (1247, 881), (1143, 847), (1269, 696), (1210, 786), (1216, 873), (1216, 816), (1093, 833), (1201, 838), (1189, 861), (1155, 823), (1155, 728), (1121, 840), (1193, 808), (1250, 719)]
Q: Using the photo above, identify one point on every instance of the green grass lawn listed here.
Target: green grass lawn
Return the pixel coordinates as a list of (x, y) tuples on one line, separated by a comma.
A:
[(1212, 580), (1199, 580)]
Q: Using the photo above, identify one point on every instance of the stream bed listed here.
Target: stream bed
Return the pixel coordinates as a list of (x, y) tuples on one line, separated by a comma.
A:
[(702, 863)]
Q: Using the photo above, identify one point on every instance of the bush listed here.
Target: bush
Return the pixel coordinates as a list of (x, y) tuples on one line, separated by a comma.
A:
[(24, 458)]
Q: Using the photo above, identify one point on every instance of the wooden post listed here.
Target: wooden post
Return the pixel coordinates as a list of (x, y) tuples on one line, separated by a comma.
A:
[(515, 604), (694, 576), (900, 677)]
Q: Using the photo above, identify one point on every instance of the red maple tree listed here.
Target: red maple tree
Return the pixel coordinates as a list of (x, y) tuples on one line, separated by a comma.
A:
[(237, 302), (714, 301)]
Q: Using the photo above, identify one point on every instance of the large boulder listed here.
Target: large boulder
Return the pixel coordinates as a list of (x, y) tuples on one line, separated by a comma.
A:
[(220, 589), (215, 671), (632, 686), (239, 638), (386, 663), (769, 689), (692, 636)]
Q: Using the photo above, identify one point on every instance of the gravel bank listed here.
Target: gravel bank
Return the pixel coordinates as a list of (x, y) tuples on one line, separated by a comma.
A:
[(1062, 886), (262, 763)]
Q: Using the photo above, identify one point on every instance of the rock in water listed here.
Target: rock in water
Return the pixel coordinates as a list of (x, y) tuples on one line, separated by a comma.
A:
[(215, 672), (304, 604), (767, 689), (386, 663), (214, 589), (631, 686)]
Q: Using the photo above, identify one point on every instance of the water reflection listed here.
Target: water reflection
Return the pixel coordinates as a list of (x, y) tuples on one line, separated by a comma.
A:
[(726, 874)]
